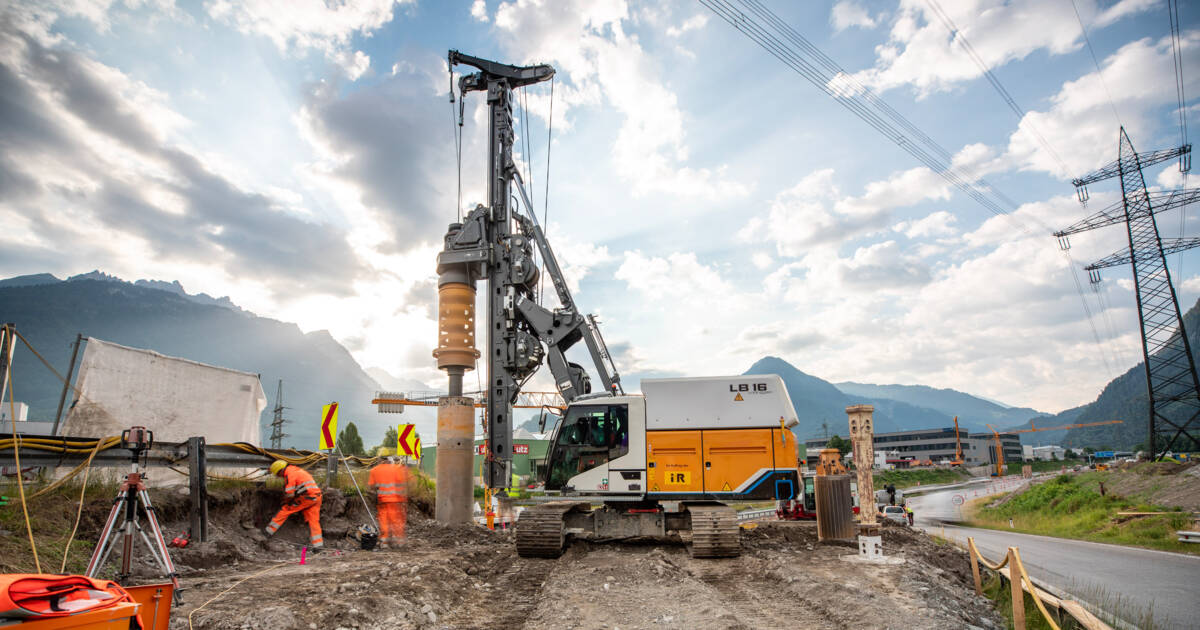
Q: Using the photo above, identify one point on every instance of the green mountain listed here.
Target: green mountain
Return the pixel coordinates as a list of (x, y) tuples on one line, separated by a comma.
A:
[(314, 367), (973, 413), (1124, 398)]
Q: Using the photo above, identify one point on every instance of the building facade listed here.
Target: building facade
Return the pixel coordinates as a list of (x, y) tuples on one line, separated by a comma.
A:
[(939, 445)]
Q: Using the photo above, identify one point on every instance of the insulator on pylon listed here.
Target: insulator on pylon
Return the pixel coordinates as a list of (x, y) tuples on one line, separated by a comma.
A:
[(1064, 243), (1082, 193), (1094, 276)]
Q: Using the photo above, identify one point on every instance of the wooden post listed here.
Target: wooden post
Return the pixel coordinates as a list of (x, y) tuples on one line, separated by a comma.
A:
[(862, 435), (975, 566), (198, 484), (1018, 592)]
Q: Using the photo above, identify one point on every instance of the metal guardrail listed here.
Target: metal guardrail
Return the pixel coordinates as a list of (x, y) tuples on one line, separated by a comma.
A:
[(1188, 537), (756, 515)]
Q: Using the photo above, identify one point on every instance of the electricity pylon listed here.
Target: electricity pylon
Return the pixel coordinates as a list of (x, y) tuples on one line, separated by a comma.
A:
[(1171, 380), (278, 420)]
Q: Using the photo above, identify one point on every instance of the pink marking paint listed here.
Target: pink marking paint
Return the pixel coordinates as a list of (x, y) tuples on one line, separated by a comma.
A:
[(303, 553)]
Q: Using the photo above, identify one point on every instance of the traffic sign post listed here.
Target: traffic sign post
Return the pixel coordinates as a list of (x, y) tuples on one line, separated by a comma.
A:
[(328, 440)]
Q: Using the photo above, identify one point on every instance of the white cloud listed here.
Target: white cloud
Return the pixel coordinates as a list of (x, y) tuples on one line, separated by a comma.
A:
[(479, 10), (694, 23), (813, 212), (598, 60), (940, 223), (357, 64), (302, 25), (848, 13), (1080, 125), (678, 276), (921, 53), (761, 260)]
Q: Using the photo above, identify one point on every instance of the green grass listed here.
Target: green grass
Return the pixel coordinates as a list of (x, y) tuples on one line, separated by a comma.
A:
[(924, 477), (999, 591), (52, 516), (1067, 507)]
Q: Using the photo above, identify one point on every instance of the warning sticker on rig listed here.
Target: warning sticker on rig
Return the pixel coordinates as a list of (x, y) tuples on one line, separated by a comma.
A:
[(678, 478)]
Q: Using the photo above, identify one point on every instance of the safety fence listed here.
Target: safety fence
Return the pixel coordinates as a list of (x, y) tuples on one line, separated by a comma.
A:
[(1053, 609)]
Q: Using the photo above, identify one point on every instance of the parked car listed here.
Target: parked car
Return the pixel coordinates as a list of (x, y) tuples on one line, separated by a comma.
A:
[(895, 513)]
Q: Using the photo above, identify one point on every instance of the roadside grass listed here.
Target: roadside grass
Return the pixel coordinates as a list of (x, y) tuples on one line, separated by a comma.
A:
[(924, 477), (1066, 507), (51, 516), (999, 591)]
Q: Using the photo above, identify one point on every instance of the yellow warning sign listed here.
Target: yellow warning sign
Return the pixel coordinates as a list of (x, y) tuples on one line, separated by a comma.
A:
[(726, 488), (654, 489), (738, 398), (329, 415), (681, 478), (407, 441)]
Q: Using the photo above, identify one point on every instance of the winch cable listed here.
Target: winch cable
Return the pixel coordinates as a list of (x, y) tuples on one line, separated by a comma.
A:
[(546, 195), (12, 410), (360, 494)]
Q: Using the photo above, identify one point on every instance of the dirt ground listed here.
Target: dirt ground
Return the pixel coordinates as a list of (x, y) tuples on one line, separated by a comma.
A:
[(469, 577), (1164, 483)]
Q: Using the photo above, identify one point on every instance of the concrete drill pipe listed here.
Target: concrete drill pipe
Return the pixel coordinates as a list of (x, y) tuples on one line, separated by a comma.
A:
[(455, 454)]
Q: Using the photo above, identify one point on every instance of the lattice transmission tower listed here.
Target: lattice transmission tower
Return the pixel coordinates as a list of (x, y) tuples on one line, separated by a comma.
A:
[(277, 421), (1171, 380)]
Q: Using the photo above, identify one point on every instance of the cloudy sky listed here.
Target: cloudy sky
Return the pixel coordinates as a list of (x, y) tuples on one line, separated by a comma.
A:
[(709, 204)]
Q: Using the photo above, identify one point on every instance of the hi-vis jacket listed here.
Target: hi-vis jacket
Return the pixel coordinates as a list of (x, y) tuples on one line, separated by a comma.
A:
[(297, 482), (390, 481)]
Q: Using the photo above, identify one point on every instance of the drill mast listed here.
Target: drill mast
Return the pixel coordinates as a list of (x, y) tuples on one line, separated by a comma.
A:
[(496, 243)]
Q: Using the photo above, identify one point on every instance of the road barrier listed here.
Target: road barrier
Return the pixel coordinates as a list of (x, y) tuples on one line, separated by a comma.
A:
[(1022, 584)]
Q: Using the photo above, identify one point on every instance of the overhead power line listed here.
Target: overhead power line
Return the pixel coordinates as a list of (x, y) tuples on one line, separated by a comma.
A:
[(1096, 61), (783, 42)]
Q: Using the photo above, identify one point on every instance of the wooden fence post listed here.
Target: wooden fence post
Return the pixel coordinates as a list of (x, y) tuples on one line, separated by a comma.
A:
[(974, 566), (1018, 599)]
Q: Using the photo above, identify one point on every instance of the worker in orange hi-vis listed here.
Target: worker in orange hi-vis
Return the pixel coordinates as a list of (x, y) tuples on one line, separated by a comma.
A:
[(389, 480), (300, 494)]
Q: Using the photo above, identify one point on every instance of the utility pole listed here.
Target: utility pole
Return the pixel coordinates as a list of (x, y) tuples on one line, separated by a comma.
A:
[(278, 420), (1172, 384), (7, 344), (62, 399)]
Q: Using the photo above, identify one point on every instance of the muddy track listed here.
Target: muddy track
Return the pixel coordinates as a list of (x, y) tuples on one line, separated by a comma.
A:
[(755, 599)]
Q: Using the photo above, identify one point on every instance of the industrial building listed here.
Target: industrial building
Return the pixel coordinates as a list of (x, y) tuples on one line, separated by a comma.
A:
[(939, 445)]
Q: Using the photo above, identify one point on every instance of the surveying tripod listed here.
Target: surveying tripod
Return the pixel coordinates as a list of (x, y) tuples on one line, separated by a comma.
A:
[(139, 441)]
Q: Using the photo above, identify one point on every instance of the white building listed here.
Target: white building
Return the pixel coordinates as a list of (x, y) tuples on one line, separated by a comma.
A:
[(882, 457), (22, 411), (1043, 453)]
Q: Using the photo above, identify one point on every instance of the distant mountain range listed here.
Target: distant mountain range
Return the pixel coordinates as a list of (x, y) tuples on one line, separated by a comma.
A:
[(315, 368), (821, 405), (161, 316)]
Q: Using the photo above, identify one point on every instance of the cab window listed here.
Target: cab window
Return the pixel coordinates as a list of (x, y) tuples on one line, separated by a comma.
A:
[(588, 437)]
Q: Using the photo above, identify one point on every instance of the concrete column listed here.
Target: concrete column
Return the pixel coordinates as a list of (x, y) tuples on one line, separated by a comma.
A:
[(455, 454), (862, 436)]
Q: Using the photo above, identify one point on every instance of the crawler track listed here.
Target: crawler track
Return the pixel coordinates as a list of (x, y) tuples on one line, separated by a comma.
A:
[(715, 532), (540, 531)]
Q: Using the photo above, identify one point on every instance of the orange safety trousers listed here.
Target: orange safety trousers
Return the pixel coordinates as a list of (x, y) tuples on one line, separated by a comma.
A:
[(392, 519), (310, 508)]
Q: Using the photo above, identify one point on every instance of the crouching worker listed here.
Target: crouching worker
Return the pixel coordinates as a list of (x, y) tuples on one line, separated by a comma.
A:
[(389, 480), (300, 494)]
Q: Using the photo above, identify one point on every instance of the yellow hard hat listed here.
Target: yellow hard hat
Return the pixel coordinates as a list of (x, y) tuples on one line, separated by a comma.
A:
[(277, 466)]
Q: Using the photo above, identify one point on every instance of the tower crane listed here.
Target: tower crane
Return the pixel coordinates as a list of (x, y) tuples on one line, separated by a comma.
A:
[(999, 449)]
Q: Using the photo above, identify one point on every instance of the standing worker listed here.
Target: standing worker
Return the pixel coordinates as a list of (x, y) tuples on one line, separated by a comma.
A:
[(300, 494), (389, 480), (909, 512)]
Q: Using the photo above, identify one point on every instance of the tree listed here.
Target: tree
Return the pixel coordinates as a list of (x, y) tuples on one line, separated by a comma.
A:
[(389, 441), (843, 446), (1089, 450), (350, 442), (1069, 454)]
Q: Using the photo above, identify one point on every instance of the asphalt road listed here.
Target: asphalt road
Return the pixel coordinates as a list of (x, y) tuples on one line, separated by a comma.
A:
[(1168, 583)]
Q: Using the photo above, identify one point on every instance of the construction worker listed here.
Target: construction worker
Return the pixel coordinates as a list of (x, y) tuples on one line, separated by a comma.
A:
[(909, 512), (389, 480), (300, 494)]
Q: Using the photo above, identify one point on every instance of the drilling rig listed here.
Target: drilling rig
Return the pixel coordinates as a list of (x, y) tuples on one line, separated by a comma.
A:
[(695, 442)]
